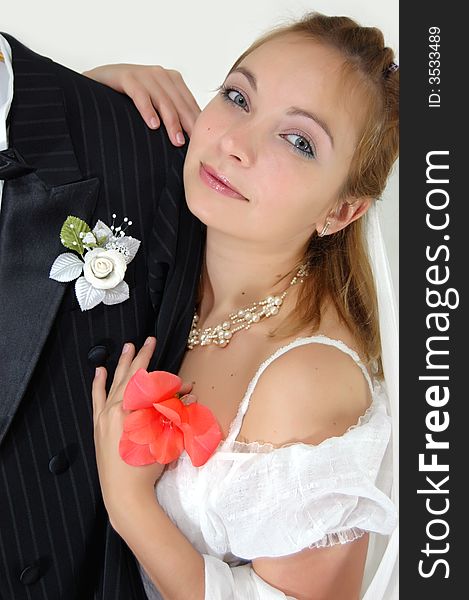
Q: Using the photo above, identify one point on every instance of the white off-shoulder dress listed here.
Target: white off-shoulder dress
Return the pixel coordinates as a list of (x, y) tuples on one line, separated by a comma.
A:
[(255, 500)]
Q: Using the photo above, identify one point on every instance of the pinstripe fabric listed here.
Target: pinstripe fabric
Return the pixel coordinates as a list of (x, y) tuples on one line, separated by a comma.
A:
[(55, 539)]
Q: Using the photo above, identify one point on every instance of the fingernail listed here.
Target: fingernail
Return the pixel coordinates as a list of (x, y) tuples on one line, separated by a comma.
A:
[(153, 123), (180, 138), (190, 398), (97, 372), (148, 341), (126, 348)]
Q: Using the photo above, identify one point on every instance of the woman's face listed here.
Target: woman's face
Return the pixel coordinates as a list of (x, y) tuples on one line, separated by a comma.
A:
[(288, 167)]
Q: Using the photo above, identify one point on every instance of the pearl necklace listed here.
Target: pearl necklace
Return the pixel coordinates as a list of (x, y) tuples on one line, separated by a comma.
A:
[(221, 334)]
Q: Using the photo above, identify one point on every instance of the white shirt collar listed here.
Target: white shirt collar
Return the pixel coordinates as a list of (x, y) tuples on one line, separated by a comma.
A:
[(6, 96), (6, 89)]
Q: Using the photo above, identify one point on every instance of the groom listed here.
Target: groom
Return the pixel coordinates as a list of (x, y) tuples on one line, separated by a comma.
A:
[(76, 148)]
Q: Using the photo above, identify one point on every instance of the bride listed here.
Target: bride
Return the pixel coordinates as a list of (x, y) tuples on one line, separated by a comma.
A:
[(292, 345)]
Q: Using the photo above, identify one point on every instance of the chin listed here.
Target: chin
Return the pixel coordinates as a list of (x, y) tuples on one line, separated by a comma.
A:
[(216, 211), (200, 208)]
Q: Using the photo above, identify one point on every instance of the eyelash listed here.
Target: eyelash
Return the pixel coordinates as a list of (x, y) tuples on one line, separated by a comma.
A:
[(309, 155)]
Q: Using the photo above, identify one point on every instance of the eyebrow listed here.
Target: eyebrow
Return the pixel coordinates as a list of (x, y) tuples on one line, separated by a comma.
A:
[(293, 110)]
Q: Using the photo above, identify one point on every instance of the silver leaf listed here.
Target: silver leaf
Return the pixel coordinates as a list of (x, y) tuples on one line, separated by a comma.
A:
[(87, 295), (66, 267), (118, 294), (131, 245)]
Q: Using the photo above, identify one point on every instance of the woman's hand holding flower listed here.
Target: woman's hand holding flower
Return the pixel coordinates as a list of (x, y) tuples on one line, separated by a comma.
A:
[(145, 422), (118, 479)]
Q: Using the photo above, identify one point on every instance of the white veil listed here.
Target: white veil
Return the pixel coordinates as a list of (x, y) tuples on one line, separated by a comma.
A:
[(381, 571)]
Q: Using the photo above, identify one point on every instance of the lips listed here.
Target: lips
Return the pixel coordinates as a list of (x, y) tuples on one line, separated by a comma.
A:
[(218, 182)]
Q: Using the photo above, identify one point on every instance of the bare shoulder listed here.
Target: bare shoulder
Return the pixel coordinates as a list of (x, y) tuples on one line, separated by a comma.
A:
[(308, 394)]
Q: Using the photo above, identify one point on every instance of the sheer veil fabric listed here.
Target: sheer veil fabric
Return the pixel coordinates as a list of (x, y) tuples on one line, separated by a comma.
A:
[(381, 570)]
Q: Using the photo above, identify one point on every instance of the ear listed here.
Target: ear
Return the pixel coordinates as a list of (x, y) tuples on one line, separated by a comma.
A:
[(348, 211)]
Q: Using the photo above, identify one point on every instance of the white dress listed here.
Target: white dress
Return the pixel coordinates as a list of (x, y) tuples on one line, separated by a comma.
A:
[(254, 500)]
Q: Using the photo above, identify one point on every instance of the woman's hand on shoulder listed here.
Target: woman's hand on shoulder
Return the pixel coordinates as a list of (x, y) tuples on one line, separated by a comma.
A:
[(158, 93)]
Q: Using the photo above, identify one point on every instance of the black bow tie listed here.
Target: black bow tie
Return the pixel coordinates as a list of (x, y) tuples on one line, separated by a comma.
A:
[(12, 164)]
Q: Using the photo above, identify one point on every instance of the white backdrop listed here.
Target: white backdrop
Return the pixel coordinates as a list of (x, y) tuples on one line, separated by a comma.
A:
[(200, 39)]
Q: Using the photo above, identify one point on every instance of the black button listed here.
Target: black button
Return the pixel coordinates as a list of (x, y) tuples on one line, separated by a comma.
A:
[(30, 574), (97, 356), (59, 463)]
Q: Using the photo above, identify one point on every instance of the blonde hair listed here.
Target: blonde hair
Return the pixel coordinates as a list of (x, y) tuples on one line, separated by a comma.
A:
[(339, 265)]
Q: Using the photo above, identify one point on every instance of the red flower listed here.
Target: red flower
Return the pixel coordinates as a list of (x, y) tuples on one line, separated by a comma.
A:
[(161, 426)]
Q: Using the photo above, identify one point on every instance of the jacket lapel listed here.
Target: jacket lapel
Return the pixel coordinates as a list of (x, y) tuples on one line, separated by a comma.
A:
[(30, 222), (178, 300), (34, 208), (174, 263)]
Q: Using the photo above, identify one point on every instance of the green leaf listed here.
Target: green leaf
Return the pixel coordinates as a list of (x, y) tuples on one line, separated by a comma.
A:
[(70, 234)]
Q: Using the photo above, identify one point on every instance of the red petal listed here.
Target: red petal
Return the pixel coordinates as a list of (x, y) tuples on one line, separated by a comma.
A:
[(135, 454), (144, 389), (168, 446), (150, 430), (139, 418), (172, 409), (140, 391), (202, 434), (166, 383)]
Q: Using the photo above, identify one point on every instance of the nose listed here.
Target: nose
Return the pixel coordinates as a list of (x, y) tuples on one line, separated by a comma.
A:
[(237, 142)]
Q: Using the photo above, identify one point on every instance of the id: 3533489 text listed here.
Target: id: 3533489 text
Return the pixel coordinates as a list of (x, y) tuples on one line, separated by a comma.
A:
[(434, 67)]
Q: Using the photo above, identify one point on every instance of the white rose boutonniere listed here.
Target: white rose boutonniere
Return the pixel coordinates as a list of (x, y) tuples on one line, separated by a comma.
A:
[(99, 271), (104, 269)]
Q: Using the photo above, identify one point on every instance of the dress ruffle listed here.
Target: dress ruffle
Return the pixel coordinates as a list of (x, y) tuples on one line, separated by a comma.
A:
[(278, 501)]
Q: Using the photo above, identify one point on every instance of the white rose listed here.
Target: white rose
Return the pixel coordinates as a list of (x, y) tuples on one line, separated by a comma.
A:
[(104, 269)]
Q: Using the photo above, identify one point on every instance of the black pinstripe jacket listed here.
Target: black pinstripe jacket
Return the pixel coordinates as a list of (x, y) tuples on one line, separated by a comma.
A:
[(93, 156)]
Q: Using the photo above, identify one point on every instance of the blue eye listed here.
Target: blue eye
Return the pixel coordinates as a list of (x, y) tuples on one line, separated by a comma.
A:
[(225, 92), (306, 149)]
